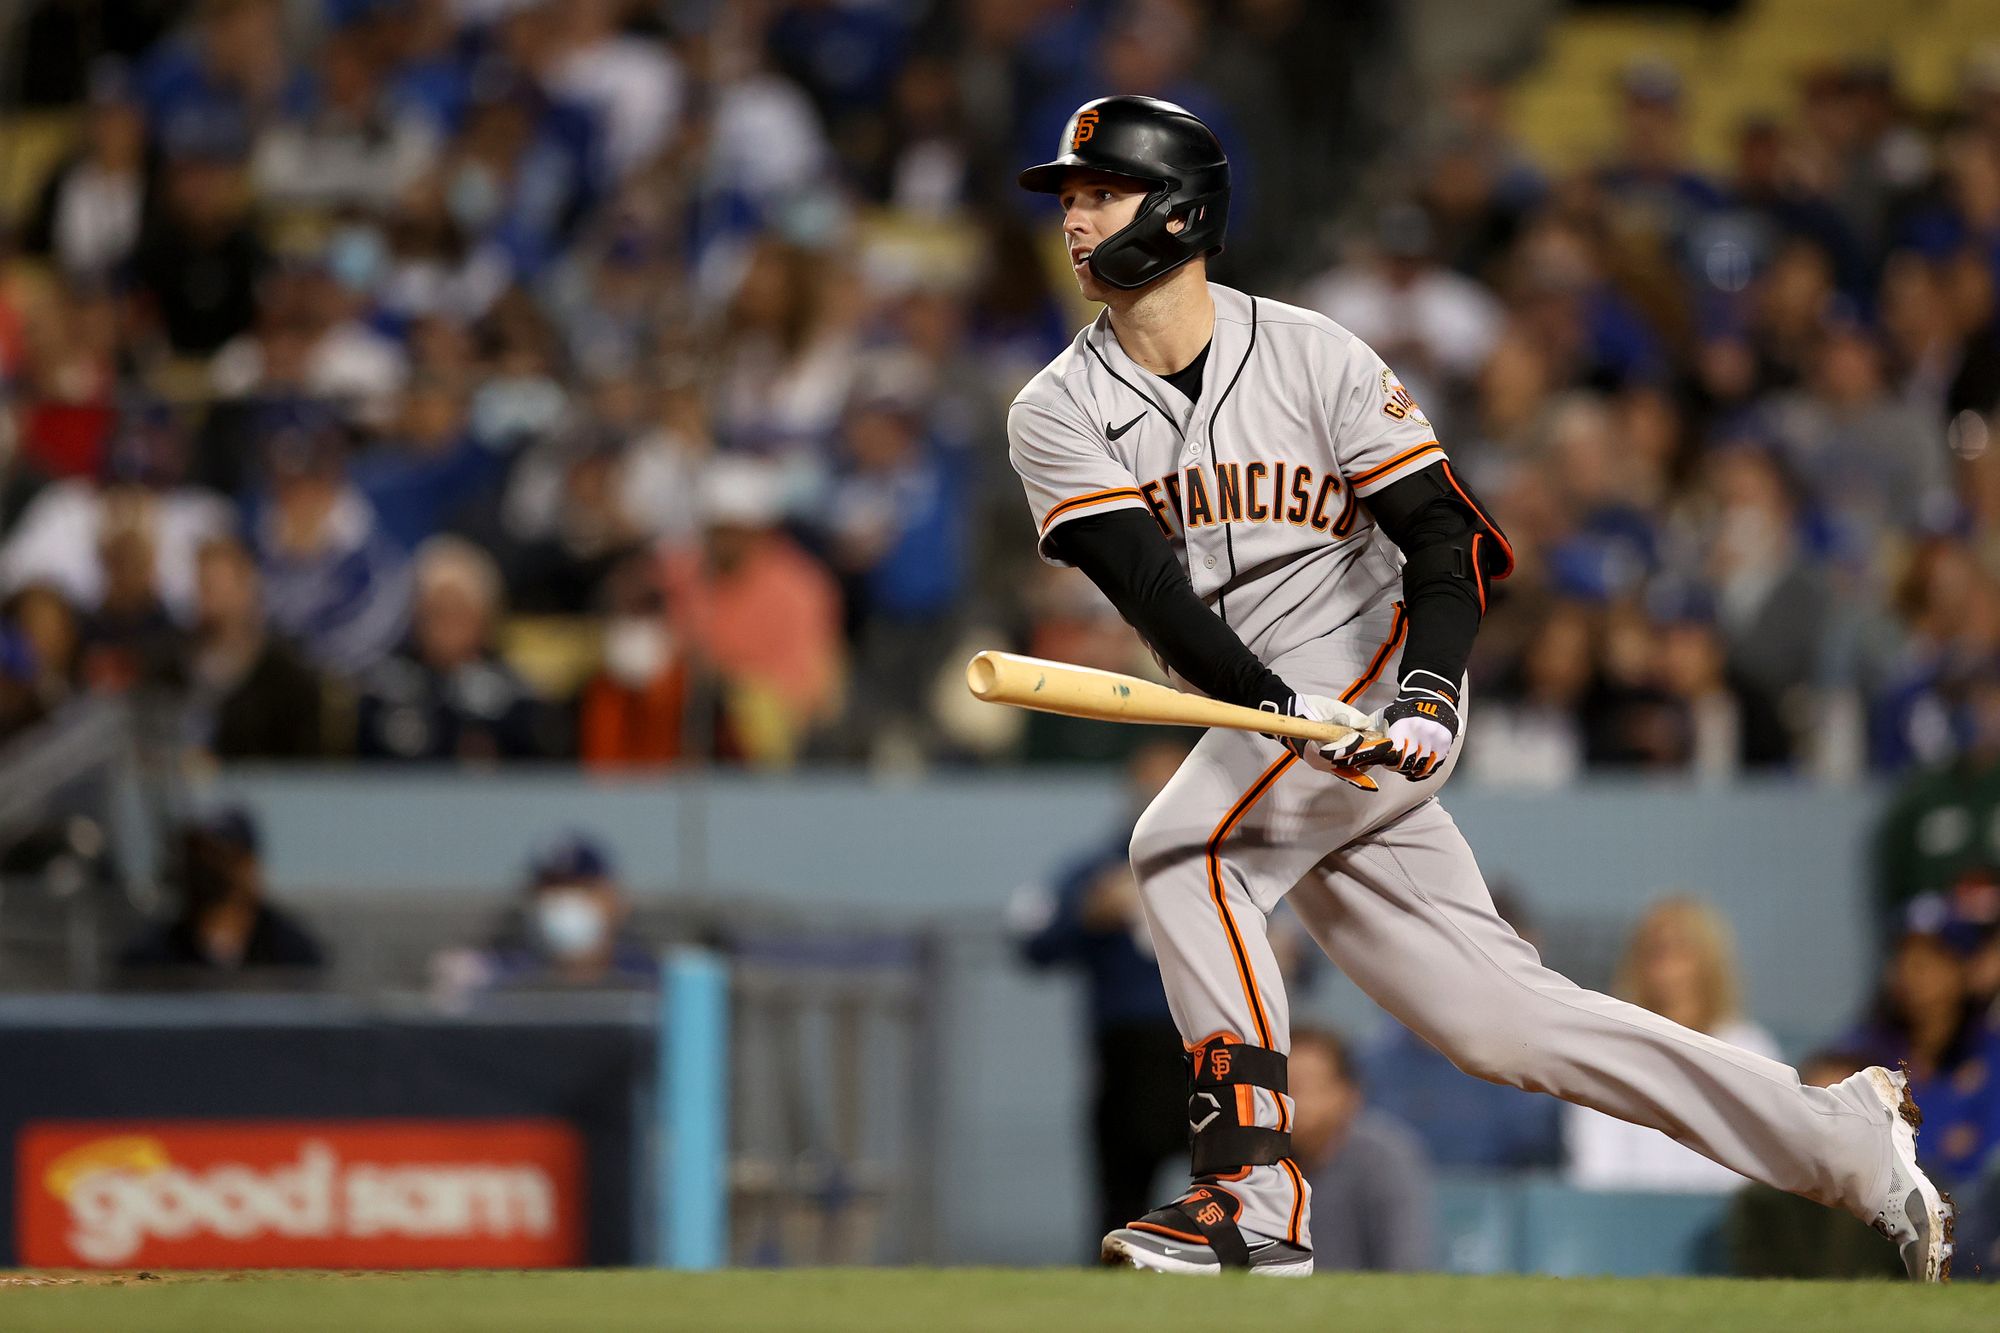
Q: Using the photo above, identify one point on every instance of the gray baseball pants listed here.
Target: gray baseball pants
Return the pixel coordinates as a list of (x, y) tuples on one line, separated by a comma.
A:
[(1386, 884)]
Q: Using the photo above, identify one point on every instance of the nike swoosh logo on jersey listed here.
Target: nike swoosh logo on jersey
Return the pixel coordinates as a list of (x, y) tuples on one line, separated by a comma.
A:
[(1115, 431)]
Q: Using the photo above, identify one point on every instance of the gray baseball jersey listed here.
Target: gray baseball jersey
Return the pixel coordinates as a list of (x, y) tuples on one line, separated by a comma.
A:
[(1258, 486)]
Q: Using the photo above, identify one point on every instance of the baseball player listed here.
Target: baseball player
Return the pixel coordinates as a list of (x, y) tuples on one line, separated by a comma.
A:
[(1260, 497)]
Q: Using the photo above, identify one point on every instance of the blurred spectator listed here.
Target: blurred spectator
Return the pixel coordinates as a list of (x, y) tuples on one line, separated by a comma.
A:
[(1434, 326), (1650, 177), (1089, 917), (52, 638), (449, 695), (1781, 201), (1528, 733), (89, 214), (896, 523), (757, 611), (1771, 607), (1928, 1019), (1936, 829), (566, 518), (199, 258), (571, 931), (354, 148), (129, 640), (251, 696), (1771, 1233), (658, 476), (1681, 964), (1632, 720), (227, 67), (1372, 1192), (431, 265), (312, 339), (60, 538), (334, 582), (633, 85), (1463, 1122), (642, 709), (430, 470), (69, 382), (225, 924), (1872, 464), (785, 354)]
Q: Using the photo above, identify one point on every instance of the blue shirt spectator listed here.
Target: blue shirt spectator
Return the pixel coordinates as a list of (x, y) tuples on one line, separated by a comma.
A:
[(1929, 1020), (1092, 922), (335, 582)]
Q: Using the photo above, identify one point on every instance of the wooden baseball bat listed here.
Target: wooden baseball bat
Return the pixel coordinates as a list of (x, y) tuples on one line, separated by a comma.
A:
[(1059, 687)]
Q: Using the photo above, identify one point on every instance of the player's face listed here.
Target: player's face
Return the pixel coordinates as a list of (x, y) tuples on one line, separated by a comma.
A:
[(1095, 208)]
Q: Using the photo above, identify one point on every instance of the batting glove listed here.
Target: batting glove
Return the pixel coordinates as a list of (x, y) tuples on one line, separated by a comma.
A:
[(1344, 758), (1421, 725)]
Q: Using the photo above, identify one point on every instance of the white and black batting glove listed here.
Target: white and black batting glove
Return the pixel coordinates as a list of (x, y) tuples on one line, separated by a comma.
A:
[(1345, 759), (1421, 725)]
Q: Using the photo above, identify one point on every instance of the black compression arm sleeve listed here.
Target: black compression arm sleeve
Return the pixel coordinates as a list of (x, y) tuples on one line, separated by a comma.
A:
[(1129, 560), (1434, 529)]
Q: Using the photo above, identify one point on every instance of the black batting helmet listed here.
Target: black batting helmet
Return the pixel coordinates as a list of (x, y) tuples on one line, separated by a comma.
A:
[(1167, 148)]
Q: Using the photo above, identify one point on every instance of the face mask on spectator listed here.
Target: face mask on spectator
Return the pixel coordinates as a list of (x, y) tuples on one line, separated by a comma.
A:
[(570, 922), (357, 257), (636, 649), (504, 410), (473, 198)]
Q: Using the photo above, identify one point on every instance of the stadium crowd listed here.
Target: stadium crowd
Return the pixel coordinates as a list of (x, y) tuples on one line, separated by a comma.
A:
[(498, 379)]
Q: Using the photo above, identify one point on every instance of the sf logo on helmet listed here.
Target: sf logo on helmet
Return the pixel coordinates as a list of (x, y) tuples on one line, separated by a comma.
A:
[(1086, 125)]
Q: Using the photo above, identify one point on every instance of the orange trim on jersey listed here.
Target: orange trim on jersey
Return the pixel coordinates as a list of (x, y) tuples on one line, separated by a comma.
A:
[(1298, 1199), (1246, 1104), (1244, 972), (1407, 456), (1284, 1116), (1397, 629), (1093, 498)]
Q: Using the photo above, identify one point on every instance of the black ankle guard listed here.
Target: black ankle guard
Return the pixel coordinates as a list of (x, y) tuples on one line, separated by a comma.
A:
[(1222, 1141), (1203, 1214)]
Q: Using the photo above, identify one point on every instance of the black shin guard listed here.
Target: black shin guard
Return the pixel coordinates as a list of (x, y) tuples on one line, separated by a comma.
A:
[(1226, 1138), (1226, 1141)]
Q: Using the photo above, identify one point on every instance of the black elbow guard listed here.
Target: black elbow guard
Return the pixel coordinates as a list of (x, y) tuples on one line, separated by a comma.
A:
[(1444, 532), (1491, 556)]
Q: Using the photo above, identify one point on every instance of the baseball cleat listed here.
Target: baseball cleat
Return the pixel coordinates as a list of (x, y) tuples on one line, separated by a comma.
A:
[(1154, 1253), (1918, 1217)]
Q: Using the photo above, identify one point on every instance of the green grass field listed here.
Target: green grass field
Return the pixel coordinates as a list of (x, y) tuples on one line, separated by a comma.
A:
[(968, 1300)]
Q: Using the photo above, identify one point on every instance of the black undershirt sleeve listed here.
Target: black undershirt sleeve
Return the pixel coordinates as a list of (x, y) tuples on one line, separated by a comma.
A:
[(1433, 528), (1125, 554)]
